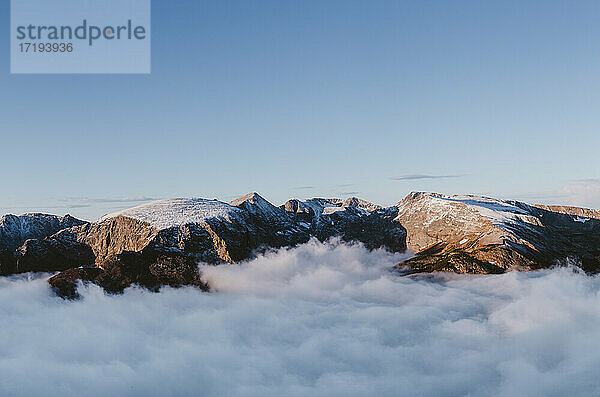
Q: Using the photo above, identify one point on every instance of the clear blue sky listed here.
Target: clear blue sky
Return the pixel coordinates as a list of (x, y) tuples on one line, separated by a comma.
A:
[(317, 98)]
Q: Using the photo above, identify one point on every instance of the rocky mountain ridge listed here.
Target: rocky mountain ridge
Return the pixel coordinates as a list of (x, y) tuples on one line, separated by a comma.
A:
[(160, 243), (472, 234), (582, 213), (17, 230)]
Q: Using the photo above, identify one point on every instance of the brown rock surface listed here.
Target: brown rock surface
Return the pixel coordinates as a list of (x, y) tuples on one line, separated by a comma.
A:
[(482, 235)]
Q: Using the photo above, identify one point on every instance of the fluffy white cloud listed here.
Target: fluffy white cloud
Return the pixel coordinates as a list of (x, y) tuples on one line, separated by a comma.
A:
[(585, 192), (317, 320)]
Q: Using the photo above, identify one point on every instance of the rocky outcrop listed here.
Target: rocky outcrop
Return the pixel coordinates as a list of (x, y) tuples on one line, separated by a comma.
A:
[(471, 234), (359, 203), (114, 235), (351, 220), (316, 206), (149, 270), (65, 283), (266, 226), (374, 229), (15, 230), (298, 207), (58, 252), (309, 209), (474, 259)]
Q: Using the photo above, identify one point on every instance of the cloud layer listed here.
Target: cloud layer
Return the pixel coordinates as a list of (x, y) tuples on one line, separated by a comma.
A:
[(413, 177), (319, 320)]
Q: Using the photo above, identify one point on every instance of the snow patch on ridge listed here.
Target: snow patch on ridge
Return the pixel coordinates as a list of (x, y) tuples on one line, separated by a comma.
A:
[(163, 214), (499, 212), (439, 206)]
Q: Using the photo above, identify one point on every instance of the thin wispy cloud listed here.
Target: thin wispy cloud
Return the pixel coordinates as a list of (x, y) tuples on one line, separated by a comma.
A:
[(68, 206), (43, 208), (589, 180), (110, 199), (535, 196), (304, 187), (414, 177)]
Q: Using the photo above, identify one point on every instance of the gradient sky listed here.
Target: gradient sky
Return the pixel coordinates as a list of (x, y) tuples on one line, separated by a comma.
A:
[(317, 98)]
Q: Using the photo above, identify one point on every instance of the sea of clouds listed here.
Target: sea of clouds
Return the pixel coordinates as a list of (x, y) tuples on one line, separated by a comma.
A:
[(316, 320)]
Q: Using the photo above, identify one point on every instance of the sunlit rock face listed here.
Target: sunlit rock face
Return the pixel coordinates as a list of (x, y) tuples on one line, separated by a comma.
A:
[(472, 234)]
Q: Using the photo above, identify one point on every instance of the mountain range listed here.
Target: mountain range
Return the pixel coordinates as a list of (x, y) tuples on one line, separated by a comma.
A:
[(161, 242)]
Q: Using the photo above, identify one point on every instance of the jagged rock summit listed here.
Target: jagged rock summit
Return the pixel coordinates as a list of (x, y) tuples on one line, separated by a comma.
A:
[(352, 220), (256, 204), (315, 207)]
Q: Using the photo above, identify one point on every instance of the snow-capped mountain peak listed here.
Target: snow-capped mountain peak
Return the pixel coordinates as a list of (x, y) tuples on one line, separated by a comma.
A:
[(466, 207), (163, 214), (256, 204)]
